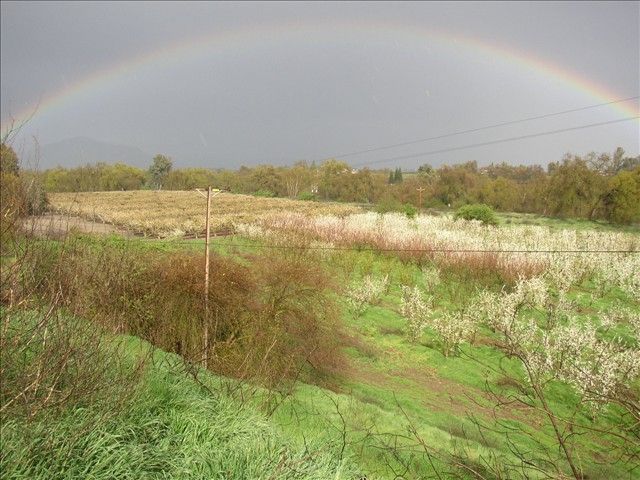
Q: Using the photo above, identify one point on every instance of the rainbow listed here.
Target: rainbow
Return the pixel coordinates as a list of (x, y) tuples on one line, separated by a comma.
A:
[(247, 38)]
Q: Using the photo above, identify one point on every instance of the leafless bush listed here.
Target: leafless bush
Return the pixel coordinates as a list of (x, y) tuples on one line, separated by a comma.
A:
[(271, 318), (51, 358)]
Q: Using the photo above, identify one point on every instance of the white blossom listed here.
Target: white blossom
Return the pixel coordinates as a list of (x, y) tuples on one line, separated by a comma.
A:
[(594, 367), (368, 291), (431, 277), (450, 242), (415, 308), (453, 329)]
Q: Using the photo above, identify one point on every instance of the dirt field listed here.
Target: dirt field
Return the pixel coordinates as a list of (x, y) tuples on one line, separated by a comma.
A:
[(180, 213), (55, 225)]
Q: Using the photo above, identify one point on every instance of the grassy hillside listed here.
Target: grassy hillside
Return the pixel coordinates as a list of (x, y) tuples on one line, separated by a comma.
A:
[(172, 427), (398, 396), (333, 386)]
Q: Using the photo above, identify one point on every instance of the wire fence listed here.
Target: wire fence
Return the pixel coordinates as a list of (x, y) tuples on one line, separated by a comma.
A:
[(407, 250)]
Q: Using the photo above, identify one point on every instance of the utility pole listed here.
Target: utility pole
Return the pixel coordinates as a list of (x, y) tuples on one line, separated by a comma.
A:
[(206, 279), (420, 190), (208, 196)]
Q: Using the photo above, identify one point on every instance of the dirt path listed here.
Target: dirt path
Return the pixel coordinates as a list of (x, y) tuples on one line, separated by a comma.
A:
[(443, 395), (55, 225)]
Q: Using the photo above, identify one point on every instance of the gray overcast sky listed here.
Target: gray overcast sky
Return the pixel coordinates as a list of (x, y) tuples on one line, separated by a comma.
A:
[(280, 82)]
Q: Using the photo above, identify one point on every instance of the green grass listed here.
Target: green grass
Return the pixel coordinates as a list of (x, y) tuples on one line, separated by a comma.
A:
[(175, 429), (389, 376), (172, 428)]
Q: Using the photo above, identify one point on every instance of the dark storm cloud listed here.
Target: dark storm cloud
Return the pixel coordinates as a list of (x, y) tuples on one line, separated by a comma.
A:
[(278, 101)]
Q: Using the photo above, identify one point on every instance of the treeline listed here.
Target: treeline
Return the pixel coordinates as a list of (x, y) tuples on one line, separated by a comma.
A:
[(595, 186)]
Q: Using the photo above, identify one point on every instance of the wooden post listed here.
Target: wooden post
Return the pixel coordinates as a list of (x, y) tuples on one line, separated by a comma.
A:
[(206, 281)]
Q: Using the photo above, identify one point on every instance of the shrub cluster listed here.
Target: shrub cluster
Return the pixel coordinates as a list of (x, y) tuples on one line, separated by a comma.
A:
[(270, 317), (480, 212), (361, 295)]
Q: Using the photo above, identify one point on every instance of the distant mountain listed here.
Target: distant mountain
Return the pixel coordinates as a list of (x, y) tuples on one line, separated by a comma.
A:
[(78, 151)]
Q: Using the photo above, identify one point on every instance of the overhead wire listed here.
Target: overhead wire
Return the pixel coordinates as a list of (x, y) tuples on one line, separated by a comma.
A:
[(432, 152), (410, 250), (479, 129), (495, 142)]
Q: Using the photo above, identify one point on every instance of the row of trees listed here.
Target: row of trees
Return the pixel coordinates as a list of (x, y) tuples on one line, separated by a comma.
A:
[(105, 177), (595, 186)]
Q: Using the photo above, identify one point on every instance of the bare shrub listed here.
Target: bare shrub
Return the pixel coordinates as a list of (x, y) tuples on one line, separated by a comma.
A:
[(50, 361), (271, 318), (298, 310)]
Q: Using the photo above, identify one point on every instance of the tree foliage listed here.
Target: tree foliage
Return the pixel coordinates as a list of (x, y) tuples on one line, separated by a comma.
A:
[(621, 202), (159, 170), (395, 176), (480, 212), (595, 186)]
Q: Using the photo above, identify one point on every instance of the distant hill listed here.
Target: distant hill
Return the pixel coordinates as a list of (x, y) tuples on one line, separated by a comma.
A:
[(81, 150)]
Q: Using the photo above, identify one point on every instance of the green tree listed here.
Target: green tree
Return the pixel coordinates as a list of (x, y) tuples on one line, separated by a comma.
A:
[(629, 163), (574, 188), (481, 212), (190, 178), (356, 187), (621, 202), (457, 183), (501, 193), (609, 165), (11, 193), (265, 178), (159, 170), (121, 177), (333, 175), (296, 179)]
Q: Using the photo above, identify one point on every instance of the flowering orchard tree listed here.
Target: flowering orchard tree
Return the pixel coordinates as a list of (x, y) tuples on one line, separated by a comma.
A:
[(597, 369), (502, 312), (535, 318), (415, 308), (431, 277), (453, 329), (621, 315), (564, 256), (570, 349), (366, 292)]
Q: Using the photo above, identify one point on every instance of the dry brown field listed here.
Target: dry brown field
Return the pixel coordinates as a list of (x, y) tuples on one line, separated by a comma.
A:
[(180, 213)]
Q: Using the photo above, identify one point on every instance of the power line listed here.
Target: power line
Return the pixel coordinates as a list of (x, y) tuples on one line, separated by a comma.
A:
[(478, 129), (416, 250), (494, 142)]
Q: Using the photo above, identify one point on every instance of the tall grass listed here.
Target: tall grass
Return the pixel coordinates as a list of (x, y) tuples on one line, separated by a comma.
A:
[(73, 402), (50, 361), (172, 428)]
